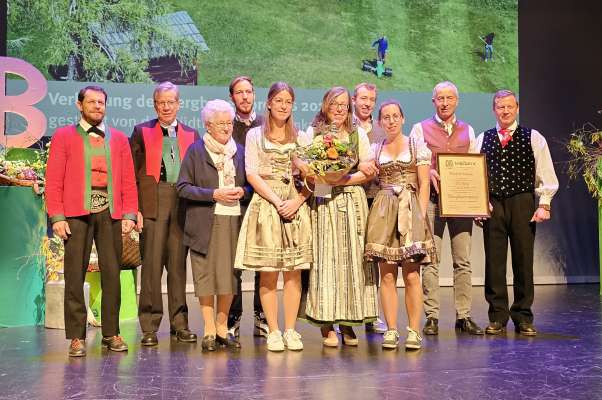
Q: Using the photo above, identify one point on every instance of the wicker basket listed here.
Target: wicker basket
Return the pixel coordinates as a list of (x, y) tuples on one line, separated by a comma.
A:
[(130, 256), (6, 180)]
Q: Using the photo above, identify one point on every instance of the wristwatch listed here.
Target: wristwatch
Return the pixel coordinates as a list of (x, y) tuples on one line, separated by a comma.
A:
[(545, 207)]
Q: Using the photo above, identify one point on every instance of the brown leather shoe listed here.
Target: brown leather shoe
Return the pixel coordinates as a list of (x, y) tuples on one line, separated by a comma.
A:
[(526, 329), (495, 328), (77, 348), (184, 335), (149, 339), (229, 341), (115, 343)]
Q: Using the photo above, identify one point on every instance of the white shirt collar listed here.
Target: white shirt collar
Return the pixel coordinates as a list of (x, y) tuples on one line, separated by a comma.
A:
[(247, 121), (85, 125), (511, 128), (174, 124)]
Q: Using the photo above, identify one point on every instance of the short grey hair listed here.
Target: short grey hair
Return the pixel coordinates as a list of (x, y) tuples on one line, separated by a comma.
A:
[(215, 106), (443, 85), (503, 93), (166, 87)]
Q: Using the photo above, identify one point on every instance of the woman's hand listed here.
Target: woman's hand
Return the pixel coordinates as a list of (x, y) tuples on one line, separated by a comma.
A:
[(227, 195), (368, 168), (288, 208)]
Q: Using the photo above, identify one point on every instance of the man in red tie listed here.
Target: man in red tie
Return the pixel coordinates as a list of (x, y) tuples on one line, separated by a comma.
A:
[(91, 195), (158, 147), (519, 168)]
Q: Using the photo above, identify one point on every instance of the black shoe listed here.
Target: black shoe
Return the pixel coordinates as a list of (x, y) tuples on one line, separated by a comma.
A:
[(469, 326), (526, 329), (114, 343), (229, 341), (431, 327), (77, 348), (149, 339), (495, 328), (184, 335), (261, 325), (208, 343), (234, 325)]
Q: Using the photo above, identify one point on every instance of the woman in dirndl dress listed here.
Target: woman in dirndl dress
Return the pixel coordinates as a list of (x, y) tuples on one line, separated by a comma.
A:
[(398, 234), (276, 232), (342, 287), (212, 180)]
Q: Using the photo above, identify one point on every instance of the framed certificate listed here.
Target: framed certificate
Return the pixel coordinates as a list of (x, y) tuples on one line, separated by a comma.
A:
[(463, 189)]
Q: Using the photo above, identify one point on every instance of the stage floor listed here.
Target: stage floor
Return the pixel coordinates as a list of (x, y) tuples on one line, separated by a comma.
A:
[(563, 362)]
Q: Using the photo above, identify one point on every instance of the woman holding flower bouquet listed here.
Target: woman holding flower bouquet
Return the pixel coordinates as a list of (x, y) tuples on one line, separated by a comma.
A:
[(397, 233), (341, 287), (275, 235)]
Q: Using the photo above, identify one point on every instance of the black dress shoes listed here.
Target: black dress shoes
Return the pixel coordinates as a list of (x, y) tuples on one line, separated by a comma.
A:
[(431, 327), (469, 326), (114, 343), (208, 343), (495, 328), (149, 339), (229, 341), (184, 335), (77, 348), (526, 329)]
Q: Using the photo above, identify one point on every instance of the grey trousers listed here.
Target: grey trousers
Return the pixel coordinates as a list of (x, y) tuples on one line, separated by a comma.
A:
[(460, 232)]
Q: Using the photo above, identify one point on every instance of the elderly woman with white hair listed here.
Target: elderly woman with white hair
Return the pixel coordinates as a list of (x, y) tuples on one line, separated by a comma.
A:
[(213, 181)]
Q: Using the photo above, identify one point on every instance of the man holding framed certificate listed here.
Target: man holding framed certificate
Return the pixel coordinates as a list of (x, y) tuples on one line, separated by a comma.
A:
[(520, 168), (444, 133)]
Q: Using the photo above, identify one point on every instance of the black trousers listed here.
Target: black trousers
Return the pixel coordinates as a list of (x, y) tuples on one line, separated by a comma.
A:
[(236, 306), (106, 233), (510, 221), (162, 247)]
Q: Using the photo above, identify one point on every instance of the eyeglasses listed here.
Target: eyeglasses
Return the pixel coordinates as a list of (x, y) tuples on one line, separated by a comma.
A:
[(222, 125), (336, 106), (394, 118), (170, 103)]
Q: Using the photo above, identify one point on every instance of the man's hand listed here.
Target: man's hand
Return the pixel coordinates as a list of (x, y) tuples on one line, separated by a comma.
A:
[(127, 225), (61, 229), (139, 222), (540, 215), (435, 178), (227, 195)]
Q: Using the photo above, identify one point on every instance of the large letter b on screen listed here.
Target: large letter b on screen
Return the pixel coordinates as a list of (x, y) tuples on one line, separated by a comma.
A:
[(22, 103)]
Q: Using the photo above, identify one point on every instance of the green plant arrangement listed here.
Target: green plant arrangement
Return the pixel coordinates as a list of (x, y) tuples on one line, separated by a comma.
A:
[(585, 150)]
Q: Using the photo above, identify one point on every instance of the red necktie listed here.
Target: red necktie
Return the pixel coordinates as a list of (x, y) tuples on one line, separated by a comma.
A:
[(506, 137)]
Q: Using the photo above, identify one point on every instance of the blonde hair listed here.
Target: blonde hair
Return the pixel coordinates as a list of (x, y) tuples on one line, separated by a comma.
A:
[(368, 86), (289, 128), (321, 118)]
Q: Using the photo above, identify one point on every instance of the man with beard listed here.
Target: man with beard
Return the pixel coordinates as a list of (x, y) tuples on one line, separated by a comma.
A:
[(91, 196), (364, 100), (158, 148), (242, 94), (444, 133)]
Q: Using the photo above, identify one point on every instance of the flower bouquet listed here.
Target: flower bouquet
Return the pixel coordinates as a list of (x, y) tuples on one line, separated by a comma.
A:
[(328, 157), (22, 167), (585, 149)]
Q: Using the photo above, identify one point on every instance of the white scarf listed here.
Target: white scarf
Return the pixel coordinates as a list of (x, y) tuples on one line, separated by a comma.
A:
[(225, 153)]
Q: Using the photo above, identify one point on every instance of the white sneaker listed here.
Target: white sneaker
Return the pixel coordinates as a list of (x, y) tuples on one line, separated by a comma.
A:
[(292, 340), (275, 342), (414, 340), (390, 339)]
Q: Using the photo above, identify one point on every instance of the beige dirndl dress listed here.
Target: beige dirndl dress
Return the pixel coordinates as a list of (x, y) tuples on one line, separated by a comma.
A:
[(396, 231), (266, 241), (342, 286)]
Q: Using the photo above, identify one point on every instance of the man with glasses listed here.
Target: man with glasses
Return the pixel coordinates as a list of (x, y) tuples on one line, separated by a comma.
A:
[(444, 133), (158, 147), (91, 196), (242, 94)]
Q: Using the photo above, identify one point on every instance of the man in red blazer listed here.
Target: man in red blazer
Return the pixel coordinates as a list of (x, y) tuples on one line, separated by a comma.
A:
[(91, 195), (158, 147)]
